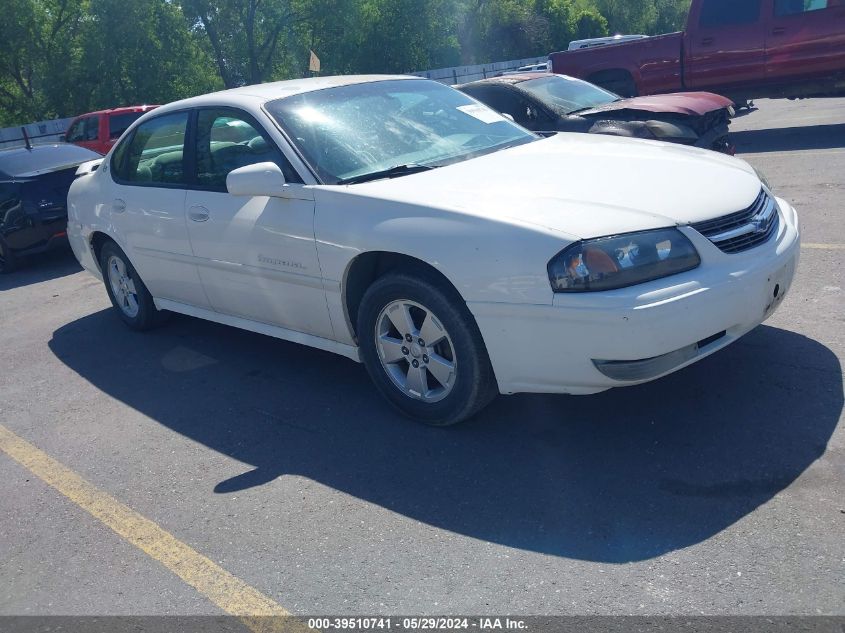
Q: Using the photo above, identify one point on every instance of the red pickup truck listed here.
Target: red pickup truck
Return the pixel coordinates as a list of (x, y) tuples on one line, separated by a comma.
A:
[(743, 49)]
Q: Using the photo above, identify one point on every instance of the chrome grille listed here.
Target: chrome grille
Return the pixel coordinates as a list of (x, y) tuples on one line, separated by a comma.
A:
[(743, 230)]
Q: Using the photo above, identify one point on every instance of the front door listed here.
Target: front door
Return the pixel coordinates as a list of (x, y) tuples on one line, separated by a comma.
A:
[(806, 40), (85, 132), (726, 47), (256, 255)]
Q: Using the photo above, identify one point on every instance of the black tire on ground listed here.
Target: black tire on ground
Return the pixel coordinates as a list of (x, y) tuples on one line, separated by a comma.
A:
[(147, 316), (8, 261), (474, 383)]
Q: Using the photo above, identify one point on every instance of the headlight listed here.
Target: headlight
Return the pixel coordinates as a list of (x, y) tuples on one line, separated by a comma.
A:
[(763, 178), (608, 263), (663, 129)]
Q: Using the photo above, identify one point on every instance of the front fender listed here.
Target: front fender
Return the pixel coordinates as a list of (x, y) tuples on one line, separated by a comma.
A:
[(485, 260)]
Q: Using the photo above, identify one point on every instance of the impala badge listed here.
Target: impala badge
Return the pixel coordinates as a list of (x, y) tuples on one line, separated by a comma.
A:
[(282, 263)]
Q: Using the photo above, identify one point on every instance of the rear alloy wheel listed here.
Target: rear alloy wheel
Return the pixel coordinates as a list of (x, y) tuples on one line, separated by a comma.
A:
[(129, 296), (423, 350)]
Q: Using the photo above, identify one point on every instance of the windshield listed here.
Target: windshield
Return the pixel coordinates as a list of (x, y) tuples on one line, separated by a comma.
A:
[(568, 95), (351, 131)]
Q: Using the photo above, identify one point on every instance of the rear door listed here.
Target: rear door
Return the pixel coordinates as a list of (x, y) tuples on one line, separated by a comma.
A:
[(147, 208), (257, 256), (726, 46), (806, 39)]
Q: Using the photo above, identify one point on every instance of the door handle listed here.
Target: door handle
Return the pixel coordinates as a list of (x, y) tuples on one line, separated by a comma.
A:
[(198, 214), (707, 41), (118, 205), (778, 30)]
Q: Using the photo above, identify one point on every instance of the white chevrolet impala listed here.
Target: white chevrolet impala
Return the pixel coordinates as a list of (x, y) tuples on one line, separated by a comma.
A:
[(400, 223)]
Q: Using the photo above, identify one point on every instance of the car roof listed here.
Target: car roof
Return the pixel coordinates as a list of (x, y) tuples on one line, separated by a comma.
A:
[(20, 162), (261, 93), (120, 110)]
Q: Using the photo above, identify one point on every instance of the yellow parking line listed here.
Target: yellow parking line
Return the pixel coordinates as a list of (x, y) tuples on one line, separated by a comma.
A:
[(825, 247), (231, 594)]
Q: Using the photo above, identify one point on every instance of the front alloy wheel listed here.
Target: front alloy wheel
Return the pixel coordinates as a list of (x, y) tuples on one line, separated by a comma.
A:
[(416, 351), (422, 348)]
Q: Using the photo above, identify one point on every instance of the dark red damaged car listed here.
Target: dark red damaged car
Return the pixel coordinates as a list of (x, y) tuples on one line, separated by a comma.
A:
[(545, 102)]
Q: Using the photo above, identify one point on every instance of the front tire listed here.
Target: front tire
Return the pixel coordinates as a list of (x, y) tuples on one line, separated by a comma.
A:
[(423, 350), (129, 296)]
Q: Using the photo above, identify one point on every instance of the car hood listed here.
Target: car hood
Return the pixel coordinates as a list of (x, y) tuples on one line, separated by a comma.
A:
[(582, 185), (687, 103)]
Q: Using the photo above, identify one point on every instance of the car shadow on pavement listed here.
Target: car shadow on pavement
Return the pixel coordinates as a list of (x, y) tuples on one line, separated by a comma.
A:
[(43, 267), (789, 139), (622, 476)]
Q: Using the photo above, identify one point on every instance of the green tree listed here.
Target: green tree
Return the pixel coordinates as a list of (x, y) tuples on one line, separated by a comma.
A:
[(383, 36), (248, 39), (671, 16), (39, 51), (628, 16), (140, 52)]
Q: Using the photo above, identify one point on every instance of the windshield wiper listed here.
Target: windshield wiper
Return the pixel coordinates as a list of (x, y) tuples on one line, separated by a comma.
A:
[(390, 172)]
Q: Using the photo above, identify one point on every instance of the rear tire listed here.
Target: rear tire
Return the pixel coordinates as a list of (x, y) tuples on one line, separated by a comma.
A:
[(129, 296), (440, 381)]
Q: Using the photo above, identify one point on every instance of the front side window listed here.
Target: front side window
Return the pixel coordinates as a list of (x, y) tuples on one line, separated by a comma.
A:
[(155, 152), (353, 131), (716, 13), (228, 140), (92, 128), (796, 7), (76, 132)]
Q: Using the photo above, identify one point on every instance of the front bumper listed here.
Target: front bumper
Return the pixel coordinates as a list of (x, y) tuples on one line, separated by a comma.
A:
[(588, 343)]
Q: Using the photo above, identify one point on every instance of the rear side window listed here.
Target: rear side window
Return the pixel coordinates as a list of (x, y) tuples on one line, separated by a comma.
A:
[(119, 123), (229, 139), (795, 7), (154, 155), (715, 13)]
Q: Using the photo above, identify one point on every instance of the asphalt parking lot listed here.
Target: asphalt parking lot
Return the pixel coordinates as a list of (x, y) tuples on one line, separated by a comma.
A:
[(277, 468)]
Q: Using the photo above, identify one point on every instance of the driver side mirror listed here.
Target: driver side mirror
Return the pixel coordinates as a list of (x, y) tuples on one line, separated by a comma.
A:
[(260, 179)]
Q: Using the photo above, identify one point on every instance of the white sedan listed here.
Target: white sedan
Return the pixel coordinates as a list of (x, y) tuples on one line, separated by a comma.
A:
[(400, 223)]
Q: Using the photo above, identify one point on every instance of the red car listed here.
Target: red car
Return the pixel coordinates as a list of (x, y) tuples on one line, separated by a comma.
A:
[(545, 102), (743, 49), (98, 131)]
